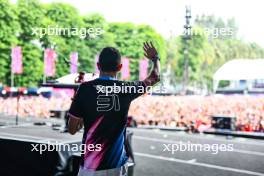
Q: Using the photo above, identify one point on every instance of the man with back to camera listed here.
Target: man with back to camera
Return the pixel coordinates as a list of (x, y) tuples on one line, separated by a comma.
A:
[(103, 111)]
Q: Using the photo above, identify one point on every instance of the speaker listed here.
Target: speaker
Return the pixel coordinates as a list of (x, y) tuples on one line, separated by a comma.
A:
[(224, 122)]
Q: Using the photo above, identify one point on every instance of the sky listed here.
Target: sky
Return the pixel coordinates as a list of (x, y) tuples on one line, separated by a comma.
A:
[(167, 16)]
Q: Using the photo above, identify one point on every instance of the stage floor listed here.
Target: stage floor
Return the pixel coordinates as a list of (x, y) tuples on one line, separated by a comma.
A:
[(247, 158), (42, 134)]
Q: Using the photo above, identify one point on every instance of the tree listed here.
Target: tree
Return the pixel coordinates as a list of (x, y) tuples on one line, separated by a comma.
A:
[(32, 66), (65, 18), (9, 28), (88, 34), (94, 44), (30, 15), (129, 40), (195, 54)]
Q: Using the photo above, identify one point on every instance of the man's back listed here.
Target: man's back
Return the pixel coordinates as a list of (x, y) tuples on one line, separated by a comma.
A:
[(103, 105)]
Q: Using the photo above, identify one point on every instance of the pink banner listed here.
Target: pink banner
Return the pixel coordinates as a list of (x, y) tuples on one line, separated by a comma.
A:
[(96, 59), (74, 62), (49, 62), (16, 63), (125, 71), (143, 69)]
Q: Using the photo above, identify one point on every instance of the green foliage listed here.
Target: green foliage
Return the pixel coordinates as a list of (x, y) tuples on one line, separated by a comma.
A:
[(224, 83), (208, 49), (30, 15), (9, 27), (32, 66), (94, 45), (19, 23)]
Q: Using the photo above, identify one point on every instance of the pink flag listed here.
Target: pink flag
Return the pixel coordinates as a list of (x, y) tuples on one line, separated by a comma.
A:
[(49, 62), (125, 72), (143, 69), (96, 60), (74, 62), (16, 63)]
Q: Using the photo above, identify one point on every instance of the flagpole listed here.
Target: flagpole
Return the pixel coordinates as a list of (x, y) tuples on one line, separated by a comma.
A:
[(44, 74), (12, 74), (17, 113), (12, 78), (44, 78)]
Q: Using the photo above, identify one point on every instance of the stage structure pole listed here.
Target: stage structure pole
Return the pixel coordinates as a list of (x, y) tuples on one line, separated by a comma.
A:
[(17, 113), (12, 79), (186, 37)]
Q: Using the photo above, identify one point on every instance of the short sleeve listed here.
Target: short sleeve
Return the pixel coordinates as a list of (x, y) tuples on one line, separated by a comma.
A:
[(75, 110), (137, 88)]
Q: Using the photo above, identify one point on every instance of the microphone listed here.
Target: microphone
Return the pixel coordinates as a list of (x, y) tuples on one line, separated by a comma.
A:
[(68, 62)]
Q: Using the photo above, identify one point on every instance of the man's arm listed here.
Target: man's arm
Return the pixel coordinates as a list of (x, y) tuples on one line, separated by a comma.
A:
[(152, 54), (75, 114)]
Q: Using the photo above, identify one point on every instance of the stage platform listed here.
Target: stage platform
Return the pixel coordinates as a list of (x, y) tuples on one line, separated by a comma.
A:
[(18, 156), (38, 133)]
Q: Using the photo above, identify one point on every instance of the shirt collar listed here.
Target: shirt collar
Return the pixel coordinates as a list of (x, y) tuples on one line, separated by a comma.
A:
[(107, 78)]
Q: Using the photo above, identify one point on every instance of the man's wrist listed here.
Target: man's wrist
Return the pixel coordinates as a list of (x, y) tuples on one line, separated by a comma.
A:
[(156, 58)]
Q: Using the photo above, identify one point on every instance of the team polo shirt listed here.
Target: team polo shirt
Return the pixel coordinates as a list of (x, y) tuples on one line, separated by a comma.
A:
[(103, 105)]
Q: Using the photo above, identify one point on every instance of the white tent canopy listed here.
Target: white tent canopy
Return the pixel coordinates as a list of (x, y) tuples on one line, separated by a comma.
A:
[(240, 69)]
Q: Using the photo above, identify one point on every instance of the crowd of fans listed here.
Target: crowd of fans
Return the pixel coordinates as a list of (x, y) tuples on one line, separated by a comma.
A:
[(168, 111), (33, 106), (197, 111)]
